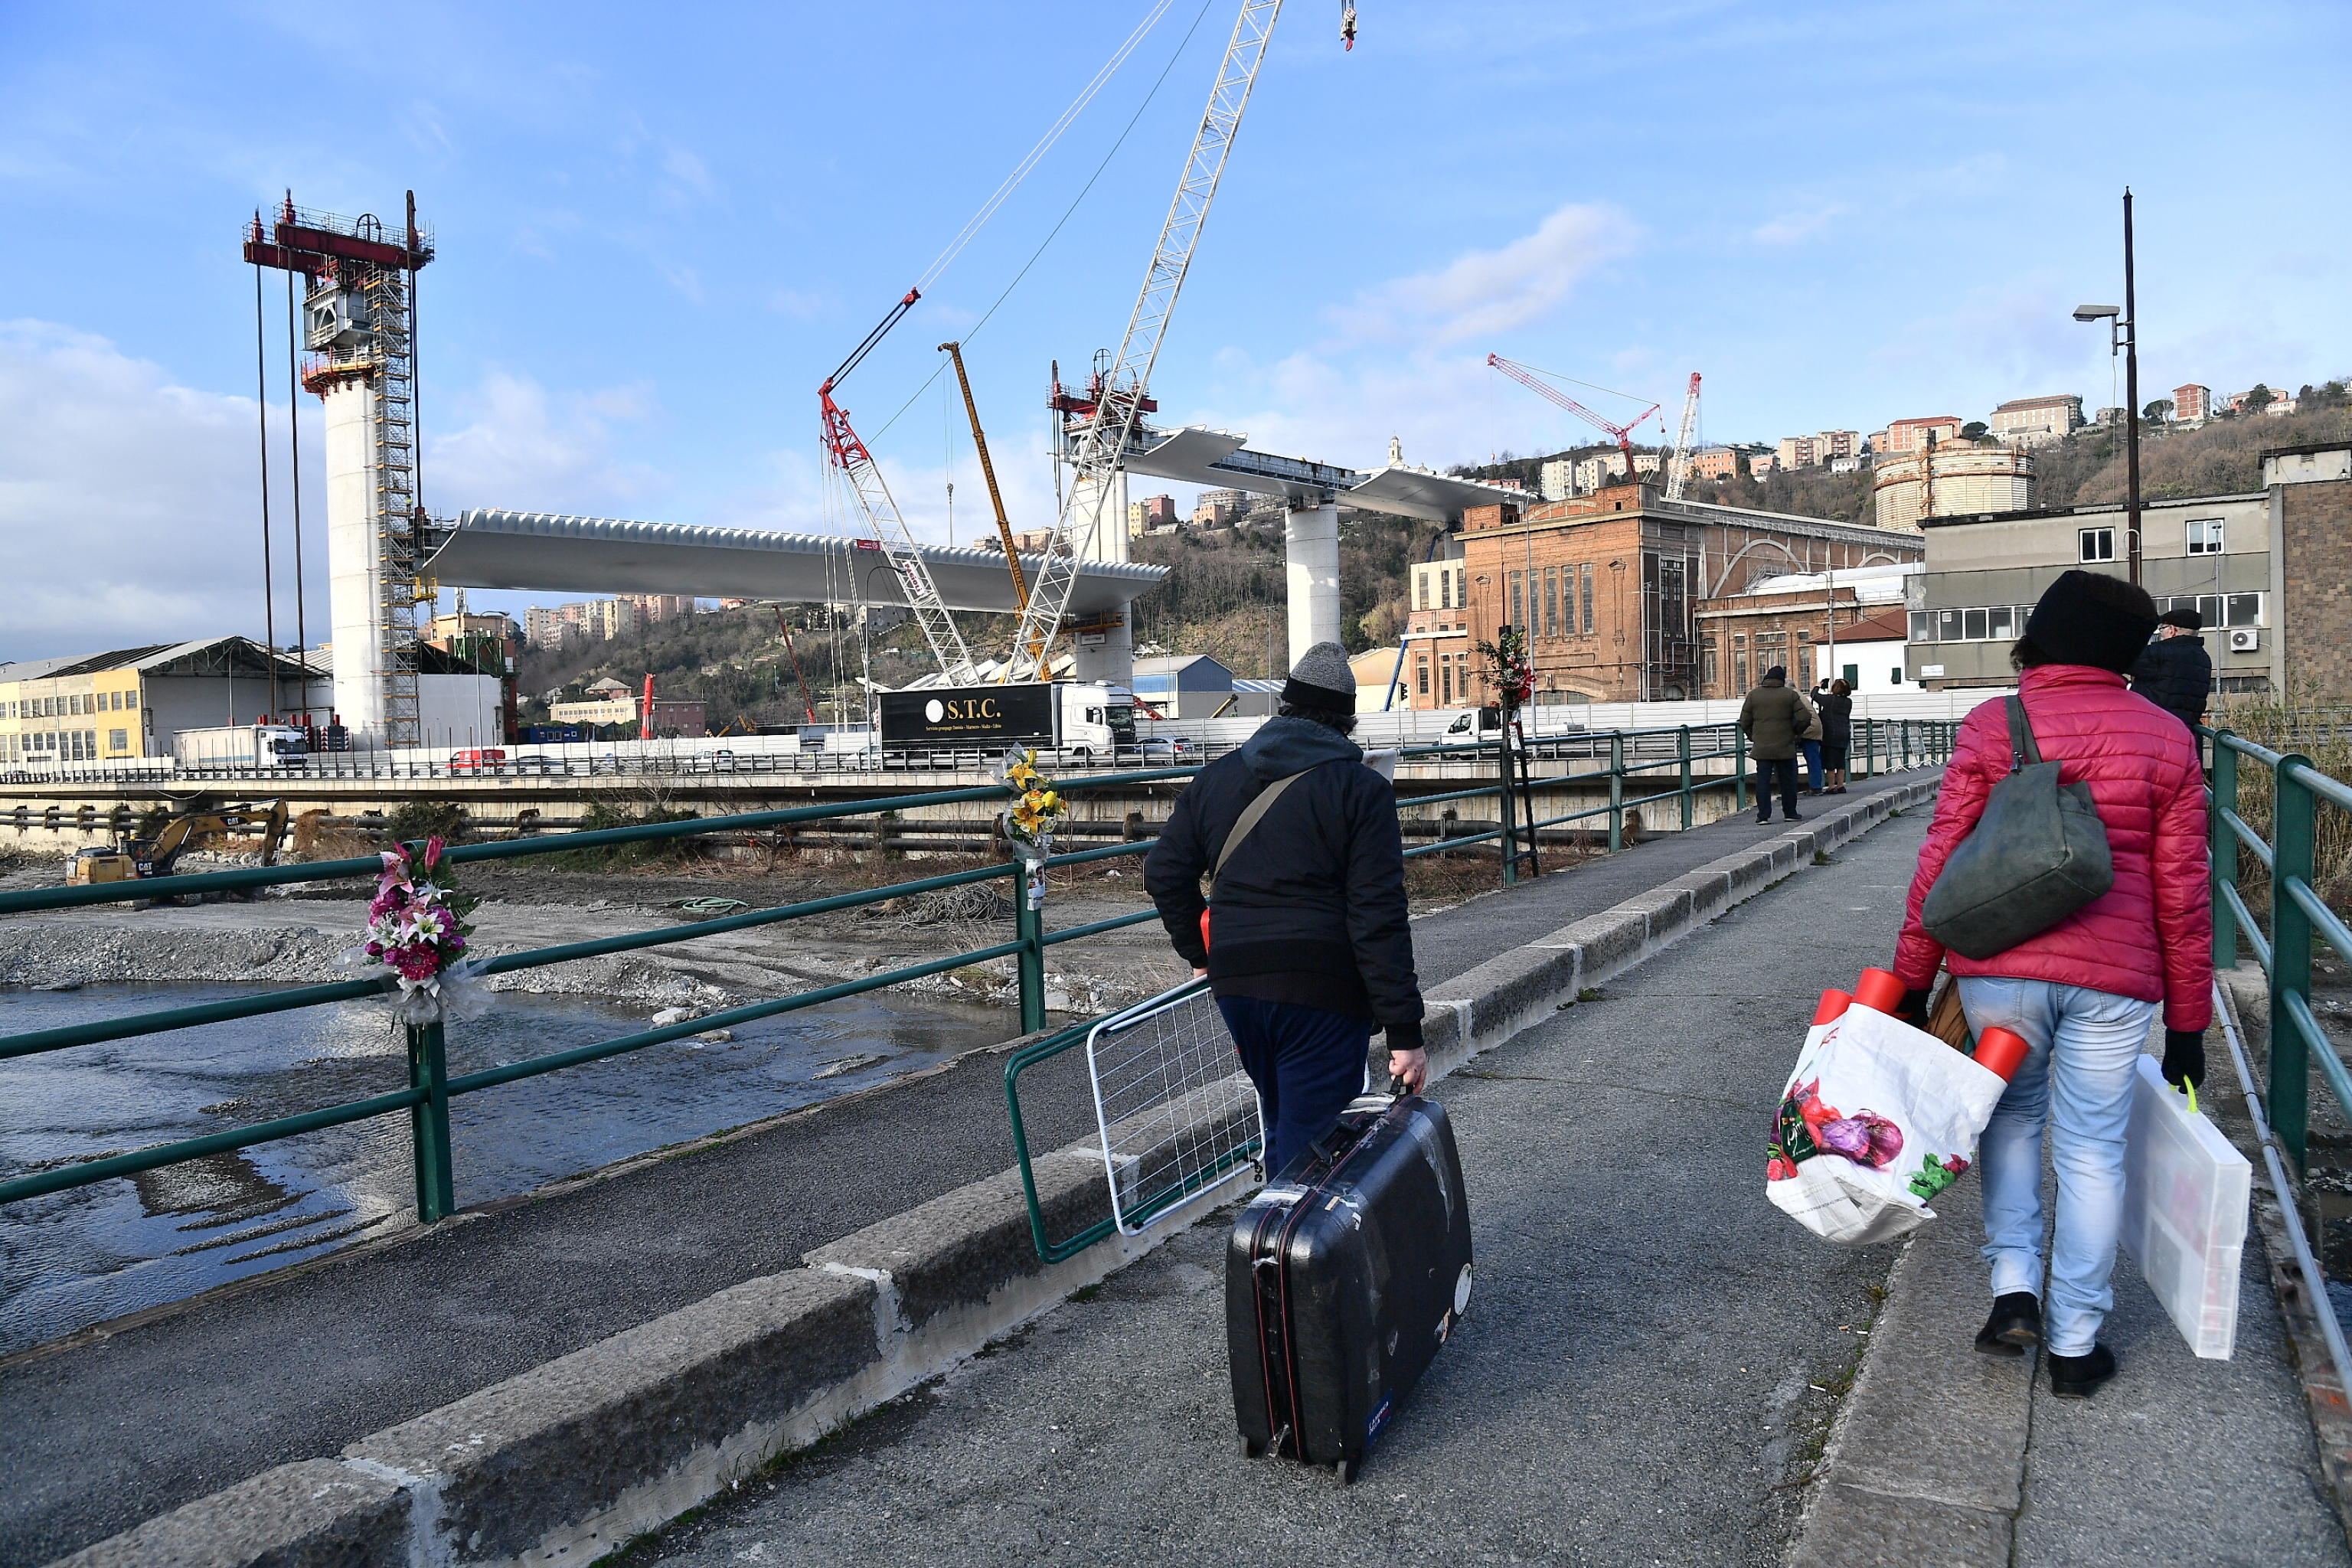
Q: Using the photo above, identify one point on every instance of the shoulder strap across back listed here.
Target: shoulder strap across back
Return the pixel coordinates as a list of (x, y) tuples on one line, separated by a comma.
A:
[(2022, 748)]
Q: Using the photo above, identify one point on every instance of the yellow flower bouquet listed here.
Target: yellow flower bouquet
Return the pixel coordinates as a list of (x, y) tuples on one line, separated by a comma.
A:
[(1036, 806)]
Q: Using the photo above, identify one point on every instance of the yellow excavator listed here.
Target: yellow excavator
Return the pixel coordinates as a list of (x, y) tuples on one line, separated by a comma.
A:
[(137, 859)]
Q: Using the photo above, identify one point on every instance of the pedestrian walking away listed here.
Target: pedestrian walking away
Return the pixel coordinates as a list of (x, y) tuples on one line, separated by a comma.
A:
[(2083, 992), (2175, 672), (1836, 706), (1772, 718), (1809, 748), (1307, 946)]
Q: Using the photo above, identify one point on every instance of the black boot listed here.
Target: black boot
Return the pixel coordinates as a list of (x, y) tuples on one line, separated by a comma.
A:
[(2079, 1377), (2015, 1323)]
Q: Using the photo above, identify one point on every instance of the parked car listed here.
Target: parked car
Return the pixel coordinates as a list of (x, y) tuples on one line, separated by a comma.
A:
[(1166, 747), (476, 760)]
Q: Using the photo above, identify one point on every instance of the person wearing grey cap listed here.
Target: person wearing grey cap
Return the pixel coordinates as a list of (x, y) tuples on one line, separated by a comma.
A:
[(1307, 947)]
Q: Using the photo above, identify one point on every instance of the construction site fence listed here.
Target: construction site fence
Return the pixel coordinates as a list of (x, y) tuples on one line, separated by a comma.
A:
[(1632, 769)]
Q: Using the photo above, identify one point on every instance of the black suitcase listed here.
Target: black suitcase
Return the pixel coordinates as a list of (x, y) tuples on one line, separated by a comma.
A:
[(1343, 1276)]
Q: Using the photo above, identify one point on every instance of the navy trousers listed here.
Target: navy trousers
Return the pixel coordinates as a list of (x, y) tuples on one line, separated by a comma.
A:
[(1772, 771), (1307, 1065)]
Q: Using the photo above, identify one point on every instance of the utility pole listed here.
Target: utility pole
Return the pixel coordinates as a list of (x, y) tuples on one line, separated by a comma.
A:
[(2131, 393)]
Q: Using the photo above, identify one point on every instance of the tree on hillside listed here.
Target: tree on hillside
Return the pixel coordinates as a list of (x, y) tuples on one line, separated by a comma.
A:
[(1974, 430), (2157, 412)]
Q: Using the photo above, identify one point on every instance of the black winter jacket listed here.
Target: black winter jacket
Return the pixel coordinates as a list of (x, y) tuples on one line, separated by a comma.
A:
[(2177, 675), (1837, 717), (1312, 908)]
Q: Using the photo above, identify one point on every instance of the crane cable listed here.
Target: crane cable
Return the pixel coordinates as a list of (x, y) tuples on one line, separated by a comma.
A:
[(1045, 145), (1067, 213)]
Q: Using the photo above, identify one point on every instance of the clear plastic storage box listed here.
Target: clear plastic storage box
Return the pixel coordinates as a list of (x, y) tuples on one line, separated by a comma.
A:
[(2185, 1188)]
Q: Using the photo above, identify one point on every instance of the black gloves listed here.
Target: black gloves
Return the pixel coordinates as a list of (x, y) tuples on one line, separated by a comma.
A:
[(2184, 1055), (1913, 1008)]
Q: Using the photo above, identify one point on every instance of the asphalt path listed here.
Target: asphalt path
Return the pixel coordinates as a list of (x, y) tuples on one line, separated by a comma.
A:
[(143, 1415), (1648, 1366)]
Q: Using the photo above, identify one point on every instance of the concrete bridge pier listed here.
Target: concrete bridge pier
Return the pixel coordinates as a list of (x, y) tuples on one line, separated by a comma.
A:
[(1310, 538)]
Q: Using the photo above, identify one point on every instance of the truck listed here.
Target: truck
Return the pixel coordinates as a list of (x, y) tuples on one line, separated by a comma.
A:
[(242, 746), (1080, 717)]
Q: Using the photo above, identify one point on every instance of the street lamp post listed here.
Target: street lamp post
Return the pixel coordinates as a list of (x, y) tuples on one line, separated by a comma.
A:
[(2122, 338)]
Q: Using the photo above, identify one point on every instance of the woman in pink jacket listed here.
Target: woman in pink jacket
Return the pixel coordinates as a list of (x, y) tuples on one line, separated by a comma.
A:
[(2084, 993)]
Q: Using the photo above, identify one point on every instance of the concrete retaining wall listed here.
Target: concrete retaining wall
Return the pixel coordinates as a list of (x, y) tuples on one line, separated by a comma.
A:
[(569, 1460)]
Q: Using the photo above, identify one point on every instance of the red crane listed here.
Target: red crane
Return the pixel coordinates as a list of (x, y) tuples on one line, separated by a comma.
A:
[(1532, 379)]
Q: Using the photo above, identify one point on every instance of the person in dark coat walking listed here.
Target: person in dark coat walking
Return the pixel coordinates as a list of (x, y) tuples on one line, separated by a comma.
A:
[(1774, 715), (2176, 673), (1836, 706), (1309, 948)]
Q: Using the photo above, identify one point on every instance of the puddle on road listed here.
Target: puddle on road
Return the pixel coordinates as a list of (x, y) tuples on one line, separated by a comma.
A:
[(82, 1257)]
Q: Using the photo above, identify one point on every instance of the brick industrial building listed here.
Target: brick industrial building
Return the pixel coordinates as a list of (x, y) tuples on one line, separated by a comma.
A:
[(1609, 586)]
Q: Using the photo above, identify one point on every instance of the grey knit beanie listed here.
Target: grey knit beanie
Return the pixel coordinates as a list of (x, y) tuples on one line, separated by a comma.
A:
[(1321, 679)]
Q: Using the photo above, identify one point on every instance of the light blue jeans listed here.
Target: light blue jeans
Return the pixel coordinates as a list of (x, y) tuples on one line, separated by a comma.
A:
[(2078, 1078)]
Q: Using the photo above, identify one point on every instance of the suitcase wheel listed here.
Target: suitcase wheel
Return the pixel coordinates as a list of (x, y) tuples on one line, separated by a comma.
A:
[(1346, 1472)]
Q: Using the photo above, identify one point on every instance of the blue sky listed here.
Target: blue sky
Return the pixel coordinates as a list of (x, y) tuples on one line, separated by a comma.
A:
[(660, 227)]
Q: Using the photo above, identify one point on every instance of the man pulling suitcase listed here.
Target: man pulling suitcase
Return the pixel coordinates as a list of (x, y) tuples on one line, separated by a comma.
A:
[(1353, 1265)]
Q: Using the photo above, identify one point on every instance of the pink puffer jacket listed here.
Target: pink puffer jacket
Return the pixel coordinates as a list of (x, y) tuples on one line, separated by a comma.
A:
[(2151, 935)]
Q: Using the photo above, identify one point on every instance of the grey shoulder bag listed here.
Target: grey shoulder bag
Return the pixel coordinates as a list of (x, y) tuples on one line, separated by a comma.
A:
[(2038, 853)]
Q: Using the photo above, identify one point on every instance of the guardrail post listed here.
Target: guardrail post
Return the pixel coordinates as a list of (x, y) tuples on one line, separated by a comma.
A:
[(1739, 765), (1029, 931), (428, 1123), (2224, 850), (1509, 815), (1682, 750), (1616, 790), (1870, 748), (2291, 830)]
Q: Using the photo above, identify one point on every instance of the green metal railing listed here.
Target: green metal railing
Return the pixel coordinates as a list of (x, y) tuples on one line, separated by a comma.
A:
[(2282, 945), (430, 1086)]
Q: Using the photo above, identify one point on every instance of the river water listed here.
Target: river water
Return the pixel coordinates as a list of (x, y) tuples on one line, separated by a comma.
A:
[(80, 1257)]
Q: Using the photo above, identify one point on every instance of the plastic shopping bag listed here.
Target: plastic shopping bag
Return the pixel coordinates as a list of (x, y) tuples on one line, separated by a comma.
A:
[(1877, 1118), (2185, 1188)]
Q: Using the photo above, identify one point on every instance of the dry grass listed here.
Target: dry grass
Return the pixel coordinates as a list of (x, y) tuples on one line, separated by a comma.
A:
[(2299, 723)]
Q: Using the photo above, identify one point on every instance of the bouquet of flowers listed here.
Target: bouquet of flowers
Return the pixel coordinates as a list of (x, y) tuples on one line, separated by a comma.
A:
[(1508, 668), (1036, 806), (416, 933)]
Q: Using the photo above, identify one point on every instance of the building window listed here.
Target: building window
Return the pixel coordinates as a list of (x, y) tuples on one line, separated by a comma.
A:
[(1425, 677), (2096, 543), (1972, 626), (1445, 676), (2205, 536), (1552, 602), (118, 740), (1518, 603), (1421, 590), (1706, 672), (2218, 610), (1585, 574), (1445, 588)]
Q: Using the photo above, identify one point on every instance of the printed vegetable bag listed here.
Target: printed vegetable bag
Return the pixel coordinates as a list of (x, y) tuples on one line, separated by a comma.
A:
[(1877, 1118)]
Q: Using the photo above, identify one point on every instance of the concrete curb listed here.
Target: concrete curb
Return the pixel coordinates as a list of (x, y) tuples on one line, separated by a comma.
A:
[(569, 1460)]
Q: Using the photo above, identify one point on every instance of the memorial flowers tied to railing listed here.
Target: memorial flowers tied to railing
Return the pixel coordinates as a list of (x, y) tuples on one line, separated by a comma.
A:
[(417, 933), (1036, 806)]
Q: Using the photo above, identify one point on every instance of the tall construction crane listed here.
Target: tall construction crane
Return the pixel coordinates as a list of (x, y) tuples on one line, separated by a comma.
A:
[(864, 480), (1678, 465), (1533, 381), (995, 499), (1096, 454)]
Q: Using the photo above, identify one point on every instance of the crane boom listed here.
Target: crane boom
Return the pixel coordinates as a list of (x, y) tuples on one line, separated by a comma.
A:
[(995, 497), (1534, 383), (888, 525), (1678, 466), (1099, 453)]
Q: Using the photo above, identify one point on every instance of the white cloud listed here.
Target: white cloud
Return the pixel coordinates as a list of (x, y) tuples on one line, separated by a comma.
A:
[(1487, 291), (130, 505), (1788, 228), (522, 448)]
